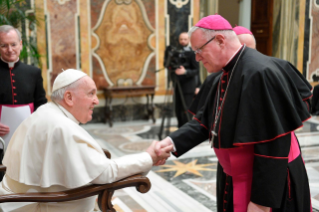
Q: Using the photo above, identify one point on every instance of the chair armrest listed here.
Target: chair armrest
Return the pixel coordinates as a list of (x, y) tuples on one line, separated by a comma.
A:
[(2, 168), (107, 153), (105, 192)]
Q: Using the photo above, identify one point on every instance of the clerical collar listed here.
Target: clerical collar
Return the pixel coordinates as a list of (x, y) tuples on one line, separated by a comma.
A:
[(187, 48), (10, 64), (231, 62), (68, 114)]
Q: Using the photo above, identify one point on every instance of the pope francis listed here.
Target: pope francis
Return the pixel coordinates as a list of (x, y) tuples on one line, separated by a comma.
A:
[(50, 151)]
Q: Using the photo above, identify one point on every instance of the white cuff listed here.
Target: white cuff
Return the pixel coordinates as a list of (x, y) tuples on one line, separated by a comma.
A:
[(172, 143)]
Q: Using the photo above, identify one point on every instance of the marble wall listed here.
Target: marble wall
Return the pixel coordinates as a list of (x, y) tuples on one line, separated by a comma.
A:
[(123, 41), (125, 45), (114, 41), (313, 47), (296, 35), (285, 29)]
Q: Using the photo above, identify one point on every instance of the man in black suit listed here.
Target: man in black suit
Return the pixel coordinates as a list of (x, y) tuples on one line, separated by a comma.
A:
[(315, 101), (184, 71)]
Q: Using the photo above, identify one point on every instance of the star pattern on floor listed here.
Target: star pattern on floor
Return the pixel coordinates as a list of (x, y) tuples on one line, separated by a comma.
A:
[(182, 168)]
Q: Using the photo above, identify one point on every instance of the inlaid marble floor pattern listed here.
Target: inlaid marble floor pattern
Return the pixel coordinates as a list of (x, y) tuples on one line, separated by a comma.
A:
[(186, 184)]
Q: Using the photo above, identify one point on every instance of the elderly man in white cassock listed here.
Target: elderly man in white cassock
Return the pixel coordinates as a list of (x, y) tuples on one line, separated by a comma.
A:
[(50, 152)]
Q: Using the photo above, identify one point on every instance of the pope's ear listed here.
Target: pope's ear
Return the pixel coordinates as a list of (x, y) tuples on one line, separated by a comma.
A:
[(68, 98)]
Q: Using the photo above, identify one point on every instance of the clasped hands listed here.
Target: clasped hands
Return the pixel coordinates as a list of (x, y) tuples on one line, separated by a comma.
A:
[(160, 151)]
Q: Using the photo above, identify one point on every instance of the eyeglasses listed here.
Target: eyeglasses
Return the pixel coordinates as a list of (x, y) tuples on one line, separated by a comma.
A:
[(199, 50)]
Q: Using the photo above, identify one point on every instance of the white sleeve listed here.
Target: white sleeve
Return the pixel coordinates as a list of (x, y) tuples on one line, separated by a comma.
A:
[(125, 166)]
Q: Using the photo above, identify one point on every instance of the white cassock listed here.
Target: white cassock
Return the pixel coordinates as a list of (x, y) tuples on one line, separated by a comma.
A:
[(50, 152)]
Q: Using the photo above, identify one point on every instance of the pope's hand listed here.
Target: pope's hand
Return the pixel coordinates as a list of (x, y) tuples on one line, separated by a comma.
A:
[(165, 152), (4, 129)]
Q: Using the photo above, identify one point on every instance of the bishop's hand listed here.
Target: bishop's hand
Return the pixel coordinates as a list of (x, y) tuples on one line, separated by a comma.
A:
[(4, 129)]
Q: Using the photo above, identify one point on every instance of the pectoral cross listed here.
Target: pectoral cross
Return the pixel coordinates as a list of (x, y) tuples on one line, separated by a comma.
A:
[(212, 139)]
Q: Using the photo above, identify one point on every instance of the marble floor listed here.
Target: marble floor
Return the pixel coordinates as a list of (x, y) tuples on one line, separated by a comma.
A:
[(186, 184)]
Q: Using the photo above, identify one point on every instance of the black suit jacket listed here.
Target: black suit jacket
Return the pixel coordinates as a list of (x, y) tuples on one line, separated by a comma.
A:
[(23, 87), (315, 101), (188, 81)]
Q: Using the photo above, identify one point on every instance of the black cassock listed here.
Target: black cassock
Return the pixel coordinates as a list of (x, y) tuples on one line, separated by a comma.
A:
[(267, 99), (24, 86)]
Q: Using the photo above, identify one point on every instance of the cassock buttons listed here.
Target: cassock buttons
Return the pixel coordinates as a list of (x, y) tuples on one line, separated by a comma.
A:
[(12, 74), (13, 81), (14, 87), (15, 94), (15, 101)]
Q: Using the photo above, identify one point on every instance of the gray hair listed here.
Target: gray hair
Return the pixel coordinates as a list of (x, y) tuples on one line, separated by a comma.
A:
[(208, 33), (58, 95), (8, 28)]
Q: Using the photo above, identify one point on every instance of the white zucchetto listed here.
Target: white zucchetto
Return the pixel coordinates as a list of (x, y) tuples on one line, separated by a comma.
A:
[(66, 78)]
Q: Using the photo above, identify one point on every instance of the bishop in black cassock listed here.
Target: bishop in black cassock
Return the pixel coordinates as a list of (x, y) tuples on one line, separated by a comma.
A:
[(250, 118), (20, 84)]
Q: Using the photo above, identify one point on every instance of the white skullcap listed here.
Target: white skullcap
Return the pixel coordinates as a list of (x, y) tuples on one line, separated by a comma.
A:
[(67, 77)]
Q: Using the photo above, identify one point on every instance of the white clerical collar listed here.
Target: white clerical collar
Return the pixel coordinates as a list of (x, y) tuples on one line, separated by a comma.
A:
[(11, 64), (187, 48), (68, 114), (233, 55)]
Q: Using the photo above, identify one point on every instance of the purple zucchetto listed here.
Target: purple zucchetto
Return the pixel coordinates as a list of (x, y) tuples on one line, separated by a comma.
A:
[(239, 30), (214, 22)]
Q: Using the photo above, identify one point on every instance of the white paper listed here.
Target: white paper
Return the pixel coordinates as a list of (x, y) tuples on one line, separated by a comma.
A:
[(12, 117)]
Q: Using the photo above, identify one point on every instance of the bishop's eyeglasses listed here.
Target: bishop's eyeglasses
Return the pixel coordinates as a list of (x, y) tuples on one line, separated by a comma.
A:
[(199, 50)]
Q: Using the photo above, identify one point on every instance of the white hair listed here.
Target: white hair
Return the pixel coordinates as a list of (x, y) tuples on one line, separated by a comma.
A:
[(208, 33), (58, 95), (8, 28)]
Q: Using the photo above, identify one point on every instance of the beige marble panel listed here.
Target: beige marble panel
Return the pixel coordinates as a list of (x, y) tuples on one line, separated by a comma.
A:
[(314, 42), (196, 7), (85, 36), (41, 42), (123, 36), (161, 82), (62, 35), (302, 11)]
